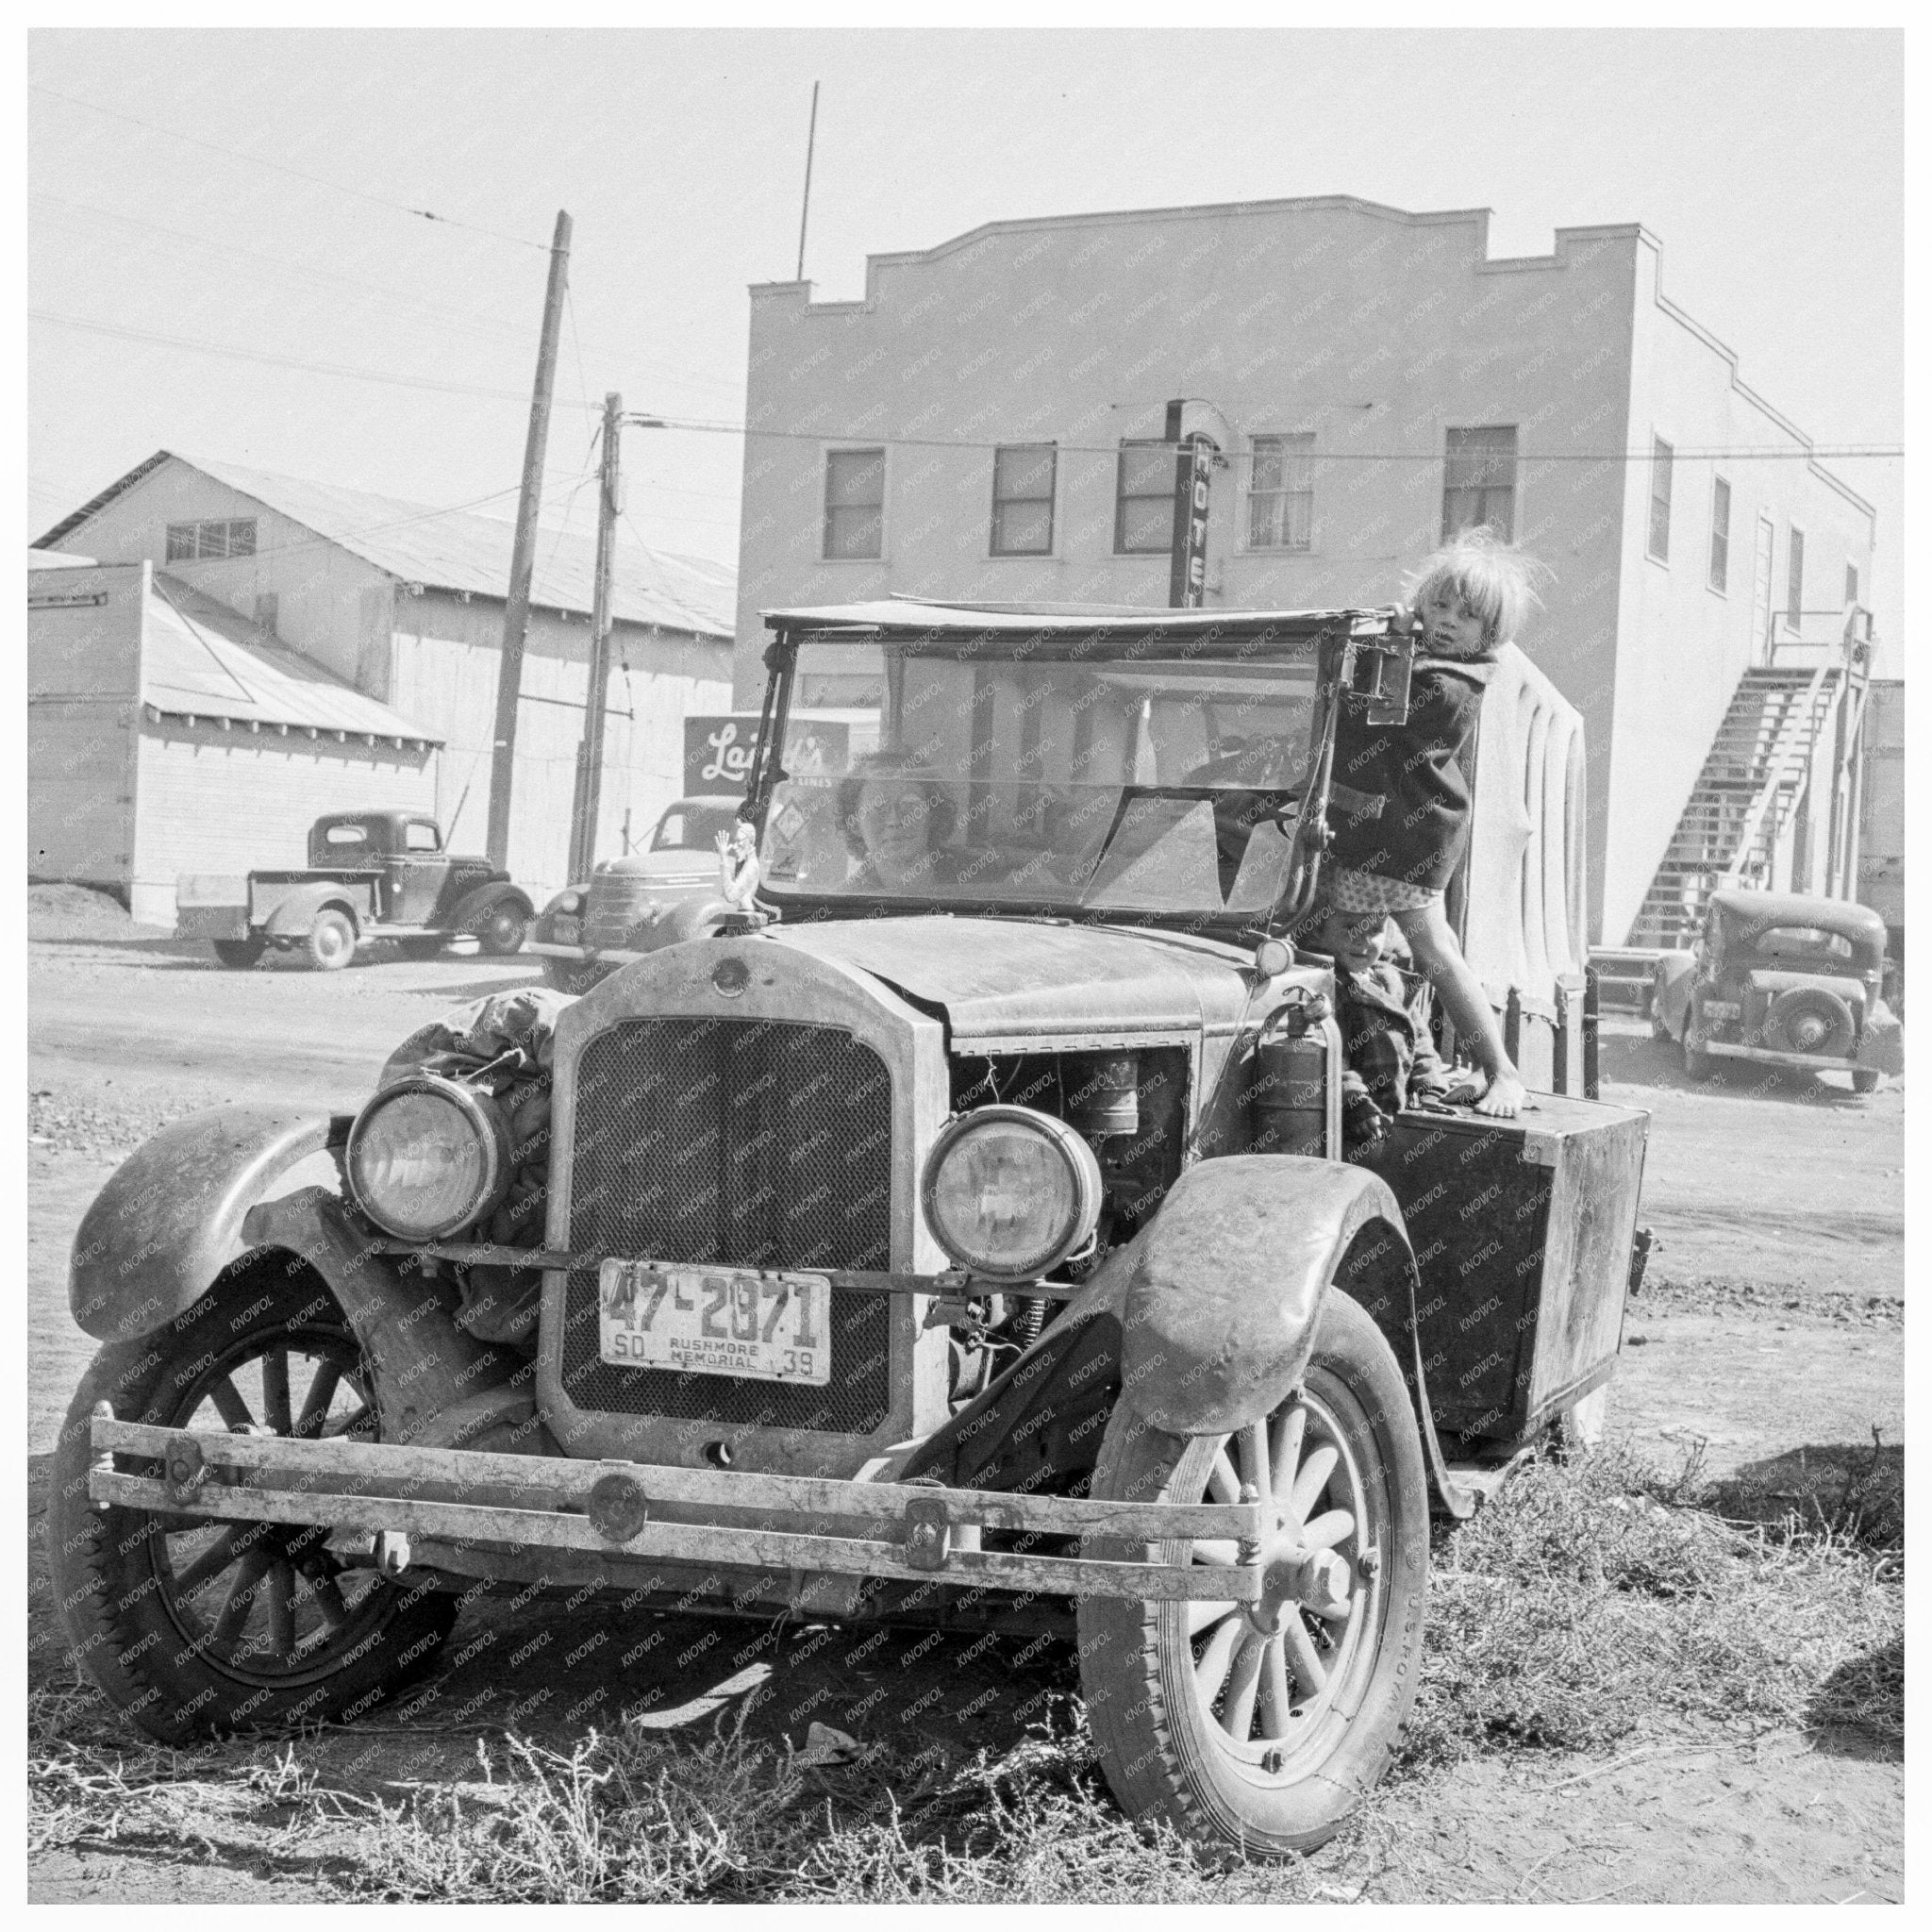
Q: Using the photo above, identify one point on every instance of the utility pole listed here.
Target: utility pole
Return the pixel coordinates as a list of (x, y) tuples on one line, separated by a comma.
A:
[(583, 817), (516, 616)]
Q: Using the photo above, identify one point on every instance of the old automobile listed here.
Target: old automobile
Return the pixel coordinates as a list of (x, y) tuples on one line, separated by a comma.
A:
[(1785, 980), (371, 875), (634, 905), (951, 1234)]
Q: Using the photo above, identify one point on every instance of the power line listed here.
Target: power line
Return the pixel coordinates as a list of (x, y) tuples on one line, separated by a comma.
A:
[(282, 168), (343, 370), (874, 438)]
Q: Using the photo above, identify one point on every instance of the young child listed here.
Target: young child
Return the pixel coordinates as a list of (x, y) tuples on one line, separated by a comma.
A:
[(1388, 1060), (1401, 803)]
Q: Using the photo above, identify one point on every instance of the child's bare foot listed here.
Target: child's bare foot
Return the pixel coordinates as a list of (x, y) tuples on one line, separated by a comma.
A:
[(1504, 1095)]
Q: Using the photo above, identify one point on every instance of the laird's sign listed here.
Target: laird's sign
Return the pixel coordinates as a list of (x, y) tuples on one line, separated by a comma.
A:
[(718, 750)]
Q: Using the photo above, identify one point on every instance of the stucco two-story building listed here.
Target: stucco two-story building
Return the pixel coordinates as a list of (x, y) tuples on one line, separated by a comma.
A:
[(993, 422)]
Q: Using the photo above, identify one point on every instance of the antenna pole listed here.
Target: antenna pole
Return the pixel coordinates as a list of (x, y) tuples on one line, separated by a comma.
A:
[(810, 141)]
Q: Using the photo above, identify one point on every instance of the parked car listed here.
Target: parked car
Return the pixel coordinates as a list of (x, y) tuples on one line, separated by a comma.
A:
[(371, 875), (1786, 980), (964, 1241), (659, 896)]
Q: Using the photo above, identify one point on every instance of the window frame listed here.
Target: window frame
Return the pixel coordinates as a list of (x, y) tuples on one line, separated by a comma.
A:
[(1296, 445), (411, 827), (1482, 490), (1794, 577), (1717, 571), (993, 545), (1120, 499), (826, 554), (1663, 457), (200, 548)]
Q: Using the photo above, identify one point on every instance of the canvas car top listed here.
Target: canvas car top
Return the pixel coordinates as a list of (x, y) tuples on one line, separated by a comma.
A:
[(915, 618)]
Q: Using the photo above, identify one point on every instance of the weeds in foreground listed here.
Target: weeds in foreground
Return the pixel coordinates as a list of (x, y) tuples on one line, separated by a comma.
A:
[(1587, 1602), (1592, 1598)]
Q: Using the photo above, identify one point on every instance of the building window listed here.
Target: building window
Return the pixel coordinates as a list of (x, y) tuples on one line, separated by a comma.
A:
[(855, 502), (1851, 585), (1144, 502), (1720, 534), (1480, 481), (1281, 493), (1794, 581), (1023, 474), (1660, 455), (222, 537)]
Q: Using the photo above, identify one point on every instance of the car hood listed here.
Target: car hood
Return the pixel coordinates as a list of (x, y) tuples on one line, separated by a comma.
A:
[(1007, 985)]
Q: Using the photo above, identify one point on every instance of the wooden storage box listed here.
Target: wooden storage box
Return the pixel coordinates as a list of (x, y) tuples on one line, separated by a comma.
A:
[(1521, 1231)]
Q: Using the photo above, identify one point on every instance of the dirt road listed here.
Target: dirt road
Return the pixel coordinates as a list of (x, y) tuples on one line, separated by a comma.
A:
[(1771, 1331)]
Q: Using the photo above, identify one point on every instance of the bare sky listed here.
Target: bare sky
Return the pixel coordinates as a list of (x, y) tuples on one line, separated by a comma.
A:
[(1770, 164)]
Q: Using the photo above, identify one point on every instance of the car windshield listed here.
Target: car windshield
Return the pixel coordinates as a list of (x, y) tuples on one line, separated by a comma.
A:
[(688, 827), (1131, 784)]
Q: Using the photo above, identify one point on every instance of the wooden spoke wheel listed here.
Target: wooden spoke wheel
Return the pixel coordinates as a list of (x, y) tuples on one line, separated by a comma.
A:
[(195, 1625), (1259, 1727)]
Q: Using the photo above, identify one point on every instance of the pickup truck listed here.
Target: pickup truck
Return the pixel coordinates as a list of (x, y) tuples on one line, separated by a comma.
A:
[(371, 875)]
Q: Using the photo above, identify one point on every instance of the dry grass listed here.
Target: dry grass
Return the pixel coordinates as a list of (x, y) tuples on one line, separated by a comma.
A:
[(1588, 1602)]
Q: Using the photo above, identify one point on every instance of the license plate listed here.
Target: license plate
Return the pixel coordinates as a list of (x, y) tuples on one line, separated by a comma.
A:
[(769, 1327), (1721, 1010)]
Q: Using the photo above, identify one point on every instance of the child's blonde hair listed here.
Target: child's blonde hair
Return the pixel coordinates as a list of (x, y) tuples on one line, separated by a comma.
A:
[(1495, 580)]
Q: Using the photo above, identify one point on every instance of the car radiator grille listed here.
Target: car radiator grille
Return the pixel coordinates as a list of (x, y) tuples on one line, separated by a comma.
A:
[(617, 904), (742, 1142)]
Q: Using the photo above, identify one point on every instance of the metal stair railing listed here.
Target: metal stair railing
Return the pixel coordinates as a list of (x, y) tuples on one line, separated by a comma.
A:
[(1798, 745)]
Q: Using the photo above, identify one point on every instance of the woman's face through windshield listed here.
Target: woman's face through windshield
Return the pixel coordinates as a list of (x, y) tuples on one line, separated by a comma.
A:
[(1129, 784)]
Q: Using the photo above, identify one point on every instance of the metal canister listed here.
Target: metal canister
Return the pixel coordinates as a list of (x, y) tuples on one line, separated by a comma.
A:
[(1289, 1095)]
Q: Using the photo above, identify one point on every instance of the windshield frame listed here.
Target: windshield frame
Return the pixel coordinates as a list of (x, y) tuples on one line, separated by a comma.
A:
[(1236, 638)]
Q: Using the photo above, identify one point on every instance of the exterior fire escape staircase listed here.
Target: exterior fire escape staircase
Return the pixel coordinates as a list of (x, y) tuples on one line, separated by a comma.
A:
[(1745, 797)]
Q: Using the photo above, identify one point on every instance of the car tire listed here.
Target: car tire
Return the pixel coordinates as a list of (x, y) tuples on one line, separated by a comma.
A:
[(283, 1631), (1153, 1674), (568, 976), (331, 941), (502, 930), (239, 954), (1865, 1080), (1809, 1020)]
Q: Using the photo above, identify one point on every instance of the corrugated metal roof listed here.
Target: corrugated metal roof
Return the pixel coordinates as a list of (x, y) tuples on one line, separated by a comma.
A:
[(464, 550), (202, 660)]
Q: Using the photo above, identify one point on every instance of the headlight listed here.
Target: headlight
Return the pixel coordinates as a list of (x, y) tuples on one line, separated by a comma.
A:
[(568, 901), (1010, 1193), (428, 1158)]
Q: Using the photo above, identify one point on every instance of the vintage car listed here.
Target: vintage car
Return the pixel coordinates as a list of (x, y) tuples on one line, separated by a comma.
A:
[(371, 875), (954, 1234), (1786, 980), (634, 905)]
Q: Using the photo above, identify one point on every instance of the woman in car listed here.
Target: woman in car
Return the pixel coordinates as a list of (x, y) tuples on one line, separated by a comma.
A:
[(897, 816)]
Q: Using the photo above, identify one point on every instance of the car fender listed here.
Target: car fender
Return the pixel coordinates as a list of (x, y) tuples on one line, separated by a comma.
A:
[(169, 1219), (296, 914), (476, 905), (434, 1384), (1670, 981), (1228, 1284)]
